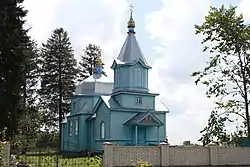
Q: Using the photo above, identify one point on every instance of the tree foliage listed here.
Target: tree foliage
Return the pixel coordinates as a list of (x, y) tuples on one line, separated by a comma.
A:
[(87, 63), (31, 76), (13, 42), (226, 76), (57, 63)]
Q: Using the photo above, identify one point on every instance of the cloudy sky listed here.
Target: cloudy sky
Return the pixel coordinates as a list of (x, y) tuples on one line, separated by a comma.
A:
[(165, 32)]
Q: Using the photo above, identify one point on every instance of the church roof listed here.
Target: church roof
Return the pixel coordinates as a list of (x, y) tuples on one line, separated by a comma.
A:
[(131, 51), (94, 78), (144, 118), (160, 106)]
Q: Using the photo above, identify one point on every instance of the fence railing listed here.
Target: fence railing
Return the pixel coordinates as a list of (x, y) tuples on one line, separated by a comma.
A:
[(50, 156)]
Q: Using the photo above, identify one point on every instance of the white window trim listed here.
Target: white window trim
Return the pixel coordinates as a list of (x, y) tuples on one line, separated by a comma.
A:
[(138, 77), (138, 100), (102, 130), (71, 128), (76, 127)]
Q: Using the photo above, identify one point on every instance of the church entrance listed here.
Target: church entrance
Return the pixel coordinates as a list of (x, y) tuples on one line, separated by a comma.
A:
[(141, 135)]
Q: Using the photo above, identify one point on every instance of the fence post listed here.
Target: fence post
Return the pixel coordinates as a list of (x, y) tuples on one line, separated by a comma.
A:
[(164, 151), (213, 153), (108, 149)]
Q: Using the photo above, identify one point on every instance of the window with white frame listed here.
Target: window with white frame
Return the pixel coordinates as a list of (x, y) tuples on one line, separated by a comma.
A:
[(76, 127), (102, 135), (138, 100), (138, 77), (71, 128)]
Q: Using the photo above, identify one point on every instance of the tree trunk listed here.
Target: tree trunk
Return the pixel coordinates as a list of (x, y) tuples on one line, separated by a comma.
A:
[(60, 103)]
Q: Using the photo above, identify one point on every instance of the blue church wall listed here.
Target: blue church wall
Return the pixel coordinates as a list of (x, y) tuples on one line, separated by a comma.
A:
[(151, 132), (134, 100), (72, 142), (91, 135), (64, 137), (102, 116), (76, 133), (83, 104), (121, 134), (133, 77), (138, 76), (83, 132)]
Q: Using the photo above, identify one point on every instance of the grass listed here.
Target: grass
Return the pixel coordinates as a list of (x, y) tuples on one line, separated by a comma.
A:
[(53, 160)]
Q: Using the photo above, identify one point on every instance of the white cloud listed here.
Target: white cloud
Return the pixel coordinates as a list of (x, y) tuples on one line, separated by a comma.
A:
[(181, 54), (243, 7), (98, 22)]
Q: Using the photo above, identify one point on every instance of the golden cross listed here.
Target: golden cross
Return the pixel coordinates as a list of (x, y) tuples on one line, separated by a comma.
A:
[(131, 8)]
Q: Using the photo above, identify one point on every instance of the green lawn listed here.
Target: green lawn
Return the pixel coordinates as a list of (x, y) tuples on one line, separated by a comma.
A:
[(52, 161)]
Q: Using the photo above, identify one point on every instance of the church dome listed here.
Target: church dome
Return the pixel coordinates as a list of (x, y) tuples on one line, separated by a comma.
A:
[(131, 22)]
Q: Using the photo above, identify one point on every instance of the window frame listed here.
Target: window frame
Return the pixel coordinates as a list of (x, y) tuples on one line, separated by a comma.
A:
[(76, 127), (70, 128), (138, 100), (102, 130)]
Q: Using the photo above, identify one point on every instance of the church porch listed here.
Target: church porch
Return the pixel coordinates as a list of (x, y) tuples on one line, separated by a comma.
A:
[(141, 124)]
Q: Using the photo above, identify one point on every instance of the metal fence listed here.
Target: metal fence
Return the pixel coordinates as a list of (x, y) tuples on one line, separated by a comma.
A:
[(47, 155)]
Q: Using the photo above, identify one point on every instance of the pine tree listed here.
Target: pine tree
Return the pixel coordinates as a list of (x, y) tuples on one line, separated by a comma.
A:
[(29, 123), (13, 41), (29, 86), (57, 76), (87, 63)]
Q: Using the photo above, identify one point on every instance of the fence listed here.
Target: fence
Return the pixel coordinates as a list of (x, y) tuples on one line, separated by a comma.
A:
[(4, 153), (29, 154), (165, 155)]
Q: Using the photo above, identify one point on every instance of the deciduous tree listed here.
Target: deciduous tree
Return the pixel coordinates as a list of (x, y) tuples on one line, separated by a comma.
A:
[(227, 40)]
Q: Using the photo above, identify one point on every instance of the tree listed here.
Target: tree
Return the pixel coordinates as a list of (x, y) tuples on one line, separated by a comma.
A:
[(87, 63), (31, 77), (13, 41), (29, 122), (57, 76), (227, 39)]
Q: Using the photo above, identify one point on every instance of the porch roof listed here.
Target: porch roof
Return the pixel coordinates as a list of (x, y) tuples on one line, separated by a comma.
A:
[(144, 119)]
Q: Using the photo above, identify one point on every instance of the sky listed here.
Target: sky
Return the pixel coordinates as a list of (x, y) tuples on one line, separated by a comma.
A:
[(166, 35)]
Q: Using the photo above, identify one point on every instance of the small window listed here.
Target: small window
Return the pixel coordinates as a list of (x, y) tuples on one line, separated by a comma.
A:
[(76, 127), (102, 130), (138, 100), (71, 128)]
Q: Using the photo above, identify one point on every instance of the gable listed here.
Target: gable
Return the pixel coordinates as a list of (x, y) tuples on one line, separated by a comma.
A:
[(106, 100), (145, 118)]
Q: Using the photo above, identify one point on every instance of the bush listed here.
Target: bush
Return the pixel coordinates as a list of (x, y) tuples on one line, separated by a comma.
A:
[(1, 155)]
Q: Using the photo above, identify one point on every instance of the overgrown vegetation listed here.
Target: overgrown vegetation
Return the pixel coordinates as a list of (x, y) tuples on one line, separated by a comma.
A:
[(48, 161)]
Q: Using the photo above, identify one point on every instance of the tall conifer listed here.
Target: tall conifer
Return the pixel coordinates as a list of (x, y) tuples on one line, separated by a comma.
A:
[(13, 42), (57, 76)]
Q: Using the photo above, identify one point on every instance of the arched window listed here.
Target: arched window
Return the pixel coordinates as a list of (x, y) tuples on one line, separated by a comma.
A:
[(138, 77), (102, 135)]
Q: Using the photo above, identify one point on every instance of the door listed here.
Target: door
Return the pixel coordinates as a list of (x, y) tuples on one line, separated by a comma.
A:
[(141, 136)]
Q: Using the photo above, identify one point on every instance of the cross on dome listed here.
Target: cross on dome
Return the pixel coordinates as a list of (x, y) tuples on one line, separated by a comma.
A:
[(131, 22)]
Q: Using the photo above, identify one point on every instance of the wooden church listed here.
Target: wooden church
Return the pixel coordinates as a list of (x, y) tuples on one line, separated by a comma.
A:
[(122, 112)]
